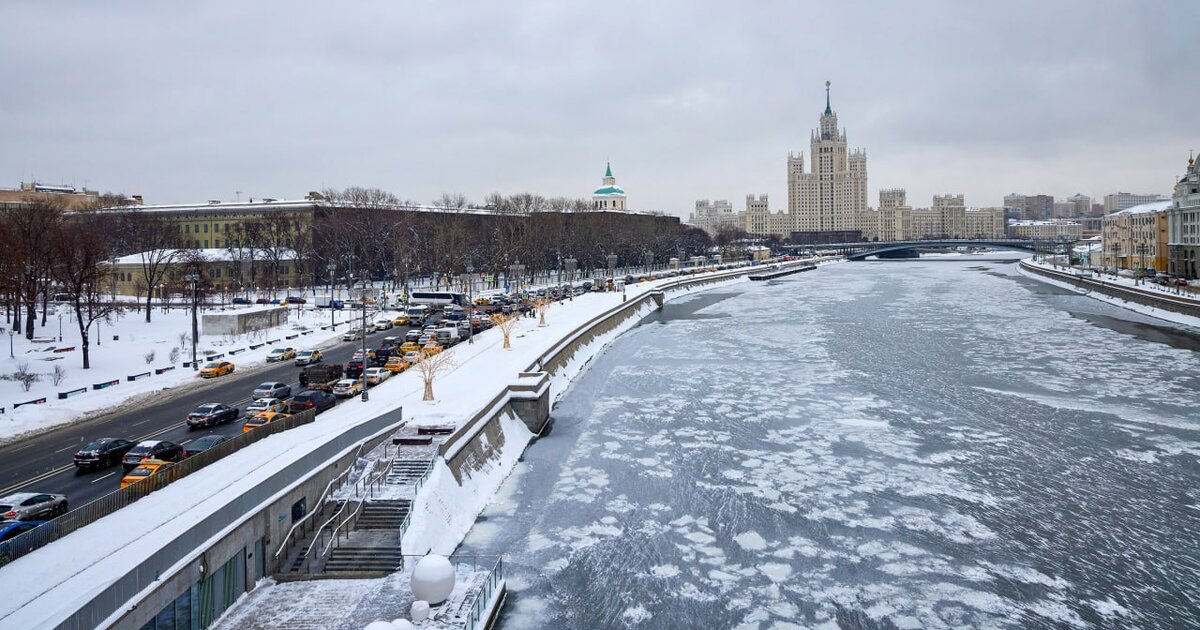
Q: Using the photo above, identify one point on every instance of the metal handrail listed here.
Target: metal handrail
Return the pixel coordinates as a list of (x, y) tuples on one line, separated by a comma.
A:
[(335, 534), (321, 501), (308, 552)]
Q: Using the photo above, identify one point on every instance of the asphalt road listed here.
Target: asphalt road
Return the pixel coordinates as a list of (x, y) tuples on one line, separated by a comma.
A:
[(44, 463)]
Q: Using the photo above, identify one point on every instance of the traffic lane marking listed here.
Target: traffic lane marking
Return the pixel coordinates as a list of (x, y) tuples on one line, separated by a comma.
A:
[(104, 477)]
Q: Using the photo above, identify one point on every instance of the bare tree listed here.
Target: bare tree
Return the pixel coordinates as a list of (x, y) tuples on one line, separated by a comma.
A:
[(31, 227), (79, 253), (155, 242), (507, 324), (24, 376), (454, 202), (542, 304), (58, 375), (432, 365)]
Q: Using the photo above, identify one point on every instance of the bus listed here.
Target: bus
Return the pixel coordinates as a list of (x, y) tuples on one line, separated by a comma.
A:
[(437, 299)]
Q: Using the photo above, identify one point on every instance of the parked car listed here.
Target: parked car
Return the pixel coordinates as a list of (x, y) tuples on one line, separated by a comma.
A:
[(211, 414), (281, 354), (308, 357), (263, 418), (147, 468), (240, 300), (262, 301), (295, 299), (102, 453), (32, 506), (376, 375), (10, 548), (273, 389), (195, 447), (216, 368), (347, 388), (311, 399), (265, 404), (151, 449), (352, 334)]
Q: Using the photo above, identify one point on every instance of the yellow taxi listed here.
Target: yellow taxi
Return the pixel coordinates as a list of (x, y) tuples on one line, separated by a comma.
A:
[(395, 364), (261, 419), (401, 320), (216, 368), (482, 301), (409, 346), (431, 349), (146, 468)]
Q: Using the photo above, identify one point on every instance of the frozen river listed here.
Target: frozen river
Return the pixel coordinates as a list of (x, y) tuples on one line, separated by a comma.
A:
[(920, 444)]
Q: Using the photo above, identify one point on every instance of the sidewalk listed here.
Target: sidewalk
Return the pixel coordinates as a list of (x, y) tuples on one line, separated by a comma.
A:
[(1181, 306)]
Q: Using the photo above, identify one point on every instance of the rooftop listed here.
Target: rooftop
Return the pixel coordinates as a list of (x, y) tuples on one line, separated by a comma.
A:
[(1153, 206)]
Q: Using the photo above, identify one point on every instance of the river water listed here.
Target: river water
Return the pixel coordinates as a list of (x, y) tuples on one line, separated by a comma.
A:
[(918, 444)]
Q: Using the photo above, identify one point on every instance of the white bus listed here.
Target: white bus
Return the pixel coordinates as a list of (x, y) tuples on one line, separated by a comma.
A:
[(437, 299)]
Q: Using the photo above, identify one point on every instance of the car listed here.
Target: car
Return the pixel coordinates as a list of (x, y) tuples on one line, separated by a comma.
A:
[(353, 368), (347, 388), (431, 348), (240, 300), (281, 354), (396, 365), (272, 389), (383, 324), (408, 346), (337, 304), (262, 301), (10, 530), (147, 468), (102, 453), (308, 357), (293, 299), (151, 449), (216, 368), (414, 357), (412, 335), (400, 320), (211, 414), (352, 334), (265, 404), (376, 375), (263, 418), (311, 399), (32, 506), (1181, 282), (195, 447)]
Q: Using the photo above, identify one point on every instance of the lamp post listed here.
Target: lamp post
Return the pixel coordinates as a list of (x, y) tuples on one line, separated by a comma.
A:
[(330, 268), (471, 301), (60, 326), (11, 333), (362, 375), (193, 278)]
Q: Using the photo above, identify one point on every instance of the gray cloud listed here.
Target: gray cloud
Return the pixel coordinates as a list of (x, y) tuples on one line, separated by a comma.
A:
[(183, 102)]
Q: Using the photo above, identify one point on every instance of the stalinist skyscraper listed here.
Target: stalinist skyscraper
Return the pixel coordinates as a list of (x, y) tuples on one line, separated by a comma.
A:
[(831, 196)]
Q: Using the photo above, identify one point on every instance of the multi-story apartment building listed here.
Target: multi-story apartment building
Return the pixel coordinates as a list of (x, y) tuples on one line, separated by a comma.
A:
[(759, 220), (1083, 204), (831, 196), (1136, 238), (1183, 225), (984, 223), (1123, 200), (1030, 207), (711, 216), (1049, 229)]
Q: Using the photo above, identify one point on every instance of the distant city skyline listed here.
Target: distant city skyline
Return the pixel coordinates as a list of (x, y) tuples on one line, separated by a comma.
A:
[(193, 102)]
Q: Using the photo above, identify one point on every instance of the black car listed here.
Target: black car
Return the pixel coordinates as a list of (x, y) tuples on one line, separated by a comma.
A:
[(240, 300), (354, 368), (211, 414), (102, 453), (152, 449), (262, 301), (196, 447), (295, 299), (311, 399)]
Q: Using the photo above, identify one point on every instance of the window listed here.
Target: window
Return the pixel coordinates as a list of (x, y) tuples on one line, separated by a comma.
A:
[(187, 229), (206, 228)]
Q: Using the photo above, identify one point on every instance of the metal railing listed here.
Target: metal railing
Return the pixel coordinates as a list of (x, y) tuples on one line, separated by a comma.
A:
[(91, 512), (370, 481)]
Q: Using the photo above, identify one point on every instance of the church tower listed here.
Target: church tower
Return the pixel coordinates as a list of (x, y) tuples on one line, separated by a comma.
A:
[(609, 196)]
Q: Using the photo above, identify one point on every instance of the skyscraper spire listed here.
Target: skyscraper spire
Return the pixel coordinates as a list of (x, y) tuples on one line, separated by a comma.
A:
[(828, 109)]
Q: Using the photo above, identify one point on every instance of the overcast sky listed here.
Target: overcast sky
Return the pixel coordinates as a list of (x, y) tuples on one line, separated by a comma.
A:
[(188, 101)]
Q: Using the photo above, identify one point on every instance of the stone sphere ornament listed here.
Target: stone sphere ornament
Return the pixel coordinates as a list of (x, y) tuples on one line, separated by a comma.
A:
[(433, 579), (419, 610)]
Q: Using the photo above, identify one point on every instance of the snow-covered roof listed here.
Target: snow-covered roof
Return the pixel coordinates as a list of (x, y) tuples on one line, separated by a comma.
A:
[(1153, 206), (211, 254), (1029, 222)]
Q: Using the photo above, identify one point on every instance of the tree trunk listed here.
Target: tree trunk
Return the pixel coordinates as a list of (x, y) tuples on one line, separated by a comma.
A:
[(149, 299), (541, 317), (428, 389), (83, 339), (45, 304), (30, 317), (506, 344)]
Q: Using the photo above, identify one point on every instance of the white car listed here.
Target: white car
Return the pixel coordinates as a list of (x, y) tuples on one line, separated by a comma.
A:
[(308, 357), (383, 324), (352, 334), (346, 388), (376, 375), (265, 404)]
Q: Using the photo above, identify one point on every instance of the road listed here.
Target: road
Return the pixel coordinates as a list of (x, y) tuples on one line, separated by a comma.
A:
[(44, 463)]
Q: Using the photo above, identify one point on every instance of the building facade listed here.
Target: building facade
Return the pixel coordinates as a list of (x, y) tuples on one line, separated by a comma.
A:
[(1048, 230), (609, 196), (1030, 207), (1123, 201), (1183, 225), (1136, 238), (71, 198), (831, 196), (711, 216)]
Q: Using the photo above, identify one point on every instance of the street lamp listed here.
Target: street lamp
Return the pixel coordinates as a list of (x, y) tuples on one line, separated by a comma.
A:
[(330, 268), (60, 326), (362, 375), (11, 334), (193, 278), (471, 300)]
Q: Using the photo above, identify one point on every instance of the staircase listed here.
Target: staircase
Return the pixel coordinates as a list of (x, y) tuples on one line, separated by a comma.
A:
[(300, 546), (350, 558), (383, 514), (408, 471)]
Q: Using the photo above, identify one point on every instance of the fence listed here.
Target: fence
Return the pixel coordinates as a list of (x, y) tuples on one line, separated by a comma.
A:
[(94, 511)]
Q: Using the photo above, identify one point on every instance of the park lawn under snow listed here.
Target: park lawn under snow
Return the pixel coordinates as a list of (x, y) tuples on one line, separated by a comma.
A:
[(44, 587), (139, 347)]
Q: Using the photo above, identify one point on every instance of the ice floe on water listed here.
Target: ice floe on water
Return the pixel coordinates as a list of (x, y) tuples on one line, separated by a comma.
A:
[(872, 446)]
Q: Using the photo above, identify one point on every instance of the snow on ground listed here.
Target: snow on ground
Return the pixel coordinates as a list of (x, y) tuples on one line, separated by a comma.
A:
[(43, 587), (139, 347), (1129, 283)]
